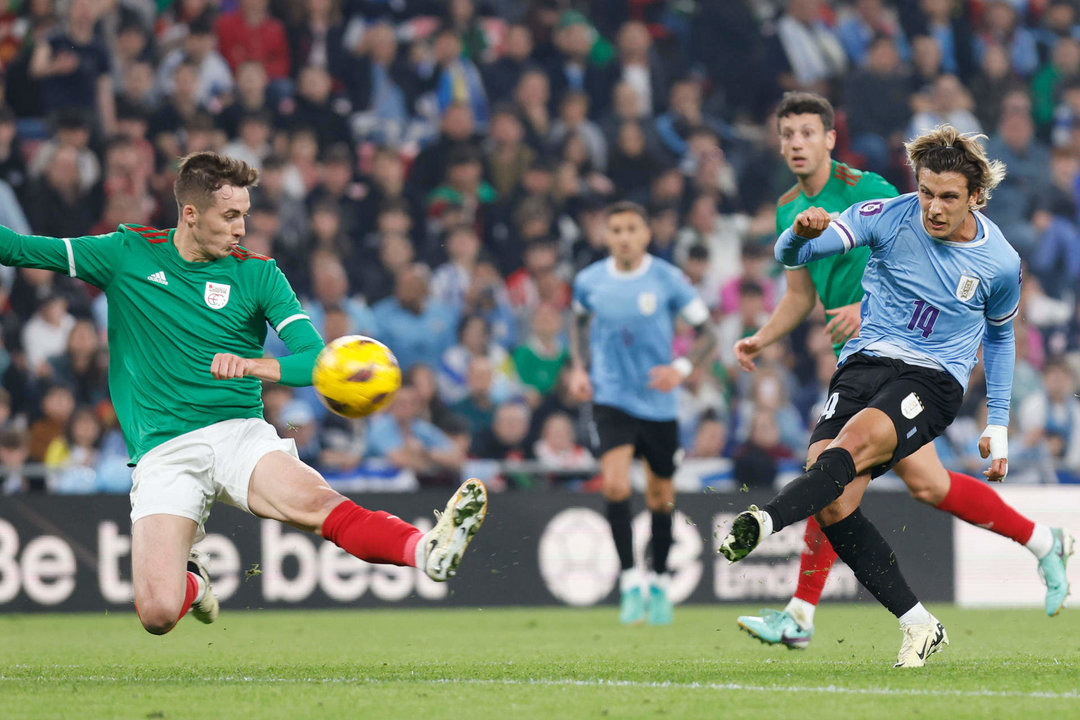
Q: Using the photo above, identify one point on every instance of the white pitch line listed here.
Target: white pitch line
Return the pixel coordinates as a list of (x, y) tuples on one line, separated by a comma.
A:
[(570, 682)]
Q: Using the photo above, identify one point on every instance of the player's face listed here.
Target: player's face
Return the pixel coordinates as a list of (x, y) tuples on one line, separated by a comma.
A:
[(219, 228), (627, 238), (946, 204), (804, 143)]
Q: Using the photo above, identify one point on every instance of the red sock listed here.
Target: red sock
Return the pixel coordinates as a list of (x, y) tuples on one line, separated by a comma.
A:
[(189, 594), (376, 537), (817, 559), (979, 504)]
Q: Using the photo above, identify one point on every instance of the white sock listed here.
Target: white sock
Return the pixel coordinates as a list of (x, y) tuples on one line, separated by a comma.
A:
[(421, 550), (630, 579), (802, 611), (766, 523), (659, 580), (202, 587), (1041, 542), (917, 615)]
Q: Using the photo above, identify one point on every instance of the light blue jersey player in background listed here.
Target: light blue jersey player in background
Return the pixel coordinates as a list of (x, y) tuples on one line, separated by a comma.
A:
[(941, 280), (621, 350)]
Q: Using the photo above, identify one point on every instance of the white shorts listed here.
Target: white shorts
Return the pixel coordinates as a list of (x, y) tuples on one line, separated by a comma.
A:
[(185, 476)]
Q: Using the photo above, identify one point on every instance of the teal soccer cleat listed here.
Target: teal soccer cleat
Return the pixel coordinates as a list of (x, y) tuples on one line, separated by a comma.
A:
[(632, 606), (1052, 571), (777, 627), (660, 608)]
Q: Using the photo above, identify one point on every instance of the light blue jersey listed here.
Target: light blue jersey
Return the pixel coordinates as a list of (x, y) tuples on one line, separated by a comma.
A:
[(927, 302), (633, 322)]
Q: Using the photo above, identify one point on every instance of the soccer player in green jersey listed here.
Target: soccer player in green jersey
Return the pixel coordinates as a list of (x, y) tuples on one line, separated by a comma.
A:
[(188, 314), (807, 138)]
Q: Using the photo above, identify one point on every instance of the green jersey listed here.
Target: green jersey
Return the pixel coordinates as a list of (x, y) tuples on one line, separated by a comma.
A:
[(168, 318), (838, 278)]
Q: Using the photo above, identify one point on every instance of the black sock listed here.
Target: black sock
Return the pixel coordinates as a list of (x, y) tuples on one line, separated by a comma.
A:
[(861, 546), (618, 516), (811, 492), (661, 540)]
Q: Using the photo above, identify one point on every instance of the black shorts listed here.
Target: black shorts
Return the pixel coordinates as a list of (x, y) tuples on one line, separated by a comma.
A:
[(921, 402), (657, 441)]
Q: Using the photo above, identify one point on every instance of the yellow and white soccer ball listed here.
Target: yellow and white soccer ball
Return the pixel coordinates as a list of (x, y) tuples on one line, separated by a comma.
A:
[(356, 376)]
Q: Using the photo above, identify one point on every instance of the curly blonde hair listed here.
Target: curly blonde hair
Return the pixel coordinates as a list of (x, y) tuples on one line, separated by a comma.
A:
[(946, 149)]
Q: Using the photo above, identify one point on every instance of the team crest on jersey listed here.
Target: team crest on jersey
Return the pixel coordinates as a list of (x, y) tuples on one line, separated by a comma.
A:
[(646, 303), (871, 208), (216, 295), (967, 287)]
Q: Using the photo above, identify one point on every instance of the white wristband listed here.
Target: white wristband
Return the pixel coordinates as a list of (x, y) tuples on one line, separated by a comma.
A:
[(683, 365)]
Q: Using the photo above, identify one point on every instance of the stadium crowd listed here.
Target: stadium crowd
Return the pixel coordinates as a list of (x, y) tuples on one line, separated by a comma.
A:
[(433, 173)]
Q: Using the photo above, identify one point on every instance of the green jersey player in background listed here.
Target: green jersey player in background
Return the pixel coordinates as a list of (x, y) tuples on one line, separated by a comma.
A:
[(807, 138), (188, 314)]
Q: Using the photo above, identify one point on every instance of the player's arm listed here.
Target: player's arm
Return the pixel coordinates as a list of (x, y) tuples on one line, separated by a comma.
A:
[(798, 301), (579, 385), (667, 377), (87, 258), (815, 235), (293, 326), (999, 359)]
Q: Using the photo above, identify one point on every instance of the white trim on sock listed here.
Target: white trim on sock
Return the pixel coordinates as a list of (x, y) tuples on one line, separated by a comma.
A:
[(421, 548), (630, 579), (201, 592), (917, 615), (1041, 542), (802, 611), (766, 523)]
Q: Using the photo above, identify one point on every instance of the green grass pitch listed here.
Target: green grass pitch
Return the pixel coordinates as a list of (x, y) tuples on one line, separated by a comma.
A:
[(531, 663)]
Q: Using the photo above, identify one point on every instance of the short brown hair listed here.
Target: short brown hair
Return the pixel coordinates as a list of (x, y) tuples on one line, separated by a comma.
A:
[(807, 103), (202, 174), (946, 149), (627, 206)]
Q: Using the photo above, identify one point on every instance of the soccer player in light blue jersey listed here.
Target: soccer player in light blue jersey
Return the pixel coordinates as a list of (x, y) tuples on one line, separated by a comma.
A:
[(940, 281), (627, 306)]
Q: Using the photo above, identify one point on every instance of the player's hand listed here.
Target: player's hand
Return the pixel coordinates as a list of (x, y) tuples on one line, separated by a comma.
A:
[(845, 323), (665, 378), (227, 366), (994, 443), (811, 222), (746, 350), (579, 385)]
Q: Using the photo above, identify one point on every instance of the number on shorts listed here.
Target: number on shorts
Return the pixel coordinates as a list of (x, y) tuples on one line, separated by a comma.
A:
[(924, 318), (830, 406)]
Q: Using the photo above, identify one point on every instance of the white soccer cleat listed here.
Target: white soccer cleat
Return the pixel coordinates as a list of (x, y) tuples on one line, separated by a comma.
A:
[(206, 609), (920, 642), (747, 532), (441, 549)]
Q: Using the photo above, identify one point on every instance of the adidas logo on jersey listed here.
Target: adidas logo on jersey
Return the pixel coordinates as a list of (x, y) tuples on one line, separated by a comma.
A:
[(158, 277)]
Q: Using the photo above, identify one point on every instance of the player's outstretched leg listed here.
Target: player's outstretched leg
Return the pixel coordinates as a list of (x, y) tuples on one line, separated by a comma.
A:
[(793, 626), (204, 606), (440, 550)]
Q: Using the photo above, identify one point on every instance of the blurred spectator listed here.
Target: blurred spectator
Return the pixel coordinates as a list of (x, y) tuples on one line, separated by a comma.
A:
[(317, 107), (576, 68), (948, 102), (417, 329), (1056, 258), (252, 144), (57, 406), (638, 64), (433, 409), (458, 79), (996, 78), (502, 75), (411, 443), (699, 395), (756, 460), (948, 22), (631, 165), (877, 127), (807, 52), (176, 110), (330, 289), (507, 156), (506, 438), (926, 62), (337, 187), (383, 190), (1054, 418), (455, 130), (533, 98), (574, 122), (1002, 25), (488, 298), (558, 450), (455, 367), (1049, 82), (538, 280), (395, 253), (684, 115), (539, 359), (45, 334), (72, 457), (12, 161), (200, 48), (451, 280), (477, 402), (769, 394), (249, 97), (866, 21), (14, 452), (83, 366), (72, 131), (73, 67), (721, 235), (316, 36), (463, 189), (251, 33)]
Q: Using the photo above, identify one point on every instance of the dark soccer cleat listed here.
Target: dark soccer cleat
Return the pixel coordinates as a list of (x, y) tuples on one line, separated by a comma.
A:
[(745, 535)]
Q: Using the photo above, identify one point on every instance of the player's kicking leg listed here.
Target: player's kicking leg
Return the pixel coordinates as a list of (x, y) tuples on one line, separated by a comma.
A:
[(979, 504), (285, 489), (168, 578)]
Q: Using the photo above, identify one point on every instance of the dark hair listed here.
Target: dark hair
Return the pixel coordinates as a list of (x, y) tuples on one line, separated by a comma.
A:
[(628, 206), (697, 251), (806, 103), (751, 287), (202, 174)]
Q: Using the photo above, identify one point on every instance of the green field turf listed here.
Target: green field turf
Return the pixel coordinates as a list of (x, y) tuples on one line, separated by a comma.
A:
[(531, 663)]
